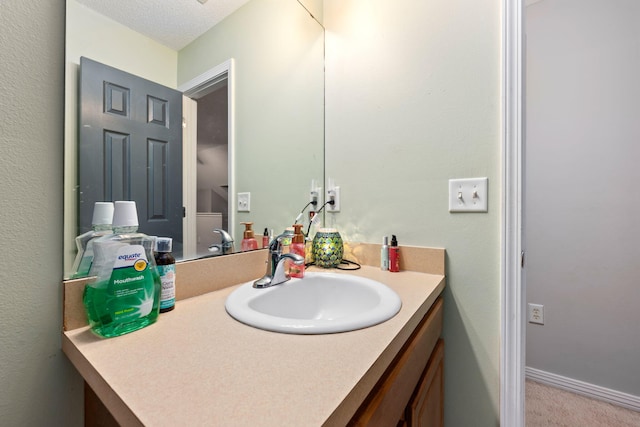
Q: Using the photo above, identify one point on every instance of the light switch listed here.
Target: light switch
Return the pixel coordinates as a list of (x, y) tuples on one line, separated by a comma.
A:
[(468, 195), (244, 202)]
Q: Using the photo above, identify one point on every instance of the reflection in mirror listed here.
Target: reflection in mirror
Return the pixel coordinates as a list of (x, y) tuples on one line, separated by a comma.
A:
[(254, 89)]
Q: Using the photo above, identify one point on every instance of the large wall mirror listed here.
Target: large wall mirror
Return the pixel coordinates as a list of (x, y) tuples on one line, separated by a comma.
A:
[(253, 108)]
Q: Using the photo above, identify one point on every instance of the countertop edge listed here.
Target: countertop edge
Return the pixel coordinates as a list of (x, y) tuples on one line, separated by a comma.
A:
[(120, 411)]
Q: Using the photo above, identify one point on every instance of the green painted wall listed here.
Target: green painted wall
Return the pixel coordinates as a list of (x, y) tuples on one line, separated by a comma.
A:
[(278, 54), (413, 99), (39, 385)]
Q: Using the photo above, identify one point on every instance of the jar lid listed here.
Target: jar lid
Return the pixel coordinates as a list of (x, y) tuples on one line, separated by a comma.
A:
[(102, 213), (125, 214), (164, 244)]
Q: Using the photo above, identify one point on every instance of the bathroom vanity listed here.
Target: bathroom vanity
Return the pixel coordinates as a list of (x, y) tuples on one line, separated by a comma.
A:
[(199, 366)]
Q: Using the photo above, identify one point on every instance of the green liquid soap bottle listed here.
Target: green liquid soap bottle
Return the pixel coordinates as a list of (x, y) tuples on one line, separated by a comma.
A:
[(125, 296), (100, 226), (166, 265)]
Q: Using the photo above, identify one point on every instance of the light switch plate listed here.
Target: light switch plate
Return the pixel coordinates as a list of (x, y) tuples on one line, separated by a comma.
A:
[(244, 202), (468, 195)]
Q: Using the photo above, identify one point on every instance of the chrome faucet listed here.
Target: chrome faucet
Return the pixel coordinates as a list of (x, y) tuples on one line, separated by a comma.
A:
[(226, 246), (275, 274)]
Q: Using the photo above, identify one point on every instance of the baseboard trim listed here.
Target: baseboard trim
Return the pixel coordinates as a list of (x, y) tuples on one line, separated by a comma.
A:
[(614, 397)]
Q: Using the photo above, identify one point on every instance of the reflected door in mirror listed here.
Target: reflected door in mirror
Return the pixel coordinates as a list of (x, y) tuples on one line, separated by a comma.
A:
[(130, 148)]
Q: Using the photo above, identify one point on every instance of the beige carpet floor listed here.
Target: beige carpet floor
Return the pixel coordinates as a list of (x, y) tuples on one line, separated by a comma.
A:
[(550, 407)]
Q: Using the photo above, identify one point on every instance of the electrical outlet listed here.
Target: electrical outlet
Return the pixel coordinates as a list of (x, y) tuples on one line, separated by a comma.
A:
[(333, 193), (536, 313), (244, 202), (314, 195)]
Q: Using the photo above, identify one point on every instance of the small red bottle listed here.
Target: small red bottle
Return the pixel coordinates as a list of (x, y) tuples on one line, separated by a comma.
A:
[(394, 255)]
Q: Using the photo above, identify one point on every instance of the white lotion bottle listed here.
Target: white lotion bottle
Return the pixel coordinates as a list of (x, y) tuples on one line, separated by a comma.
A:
[(384, 254)]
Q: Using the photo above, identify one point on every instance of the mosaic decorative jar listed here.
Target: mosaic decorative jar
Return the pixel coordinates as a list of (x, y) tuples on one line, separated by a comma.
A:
[(327, 248)]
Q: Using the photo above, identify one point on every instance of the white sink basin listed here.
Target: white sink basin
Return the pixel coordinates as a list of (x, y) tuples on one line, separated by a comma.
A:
[(321, 303)]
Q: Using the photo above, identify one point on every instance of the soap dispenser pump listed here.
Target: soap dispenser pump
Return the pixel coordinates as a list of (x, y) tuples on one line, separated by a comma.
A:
[(297, 247), (249, 242)]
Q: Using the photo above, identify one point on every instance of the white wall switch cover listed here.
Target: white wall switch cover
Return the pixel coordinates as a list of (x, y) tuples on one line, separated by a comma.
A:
[(244, 202), (468, 195)]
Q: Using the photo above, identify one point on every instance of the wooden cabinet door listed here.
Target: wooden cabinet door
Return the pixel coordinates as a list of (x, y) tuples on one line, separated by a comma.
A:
[(426, 408), (388, 401)]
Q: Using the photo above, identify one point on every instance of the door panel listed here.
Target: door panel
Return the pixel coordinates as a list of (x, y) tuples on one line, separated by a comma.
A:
[(130, 148)]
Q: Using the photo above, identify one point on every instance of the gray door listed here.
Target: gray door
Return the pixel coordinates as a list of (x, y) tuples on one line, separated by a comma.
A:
[(130, 148)]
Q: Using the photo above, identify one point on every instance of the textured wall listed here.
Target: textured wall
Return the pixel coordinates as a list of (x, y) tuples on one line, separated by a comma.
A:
[(413, 99), (39, 386), (582, 206)]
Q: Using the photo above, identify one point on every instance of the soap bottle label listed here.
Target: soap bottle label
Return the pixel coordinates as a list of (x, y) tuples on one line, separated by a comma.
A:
[(130, 290), (168, 280), (394, 259), (297, 270)]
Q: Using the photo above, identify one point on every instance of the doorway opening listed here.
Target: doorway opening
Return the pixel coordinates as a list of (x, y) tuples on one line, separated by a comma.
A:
[(208, 152)]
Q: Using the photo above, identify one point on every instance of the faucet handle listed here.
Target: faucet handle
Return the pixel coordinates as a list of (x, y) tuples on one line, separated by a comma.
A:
[(276, 273), (226, 237), (276, 244), (226, 244), (280, 274)]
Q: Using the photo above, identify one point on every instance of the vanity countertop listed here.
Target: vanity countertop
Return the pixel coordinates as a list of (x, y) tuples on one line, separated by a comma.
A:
[(198, 366)]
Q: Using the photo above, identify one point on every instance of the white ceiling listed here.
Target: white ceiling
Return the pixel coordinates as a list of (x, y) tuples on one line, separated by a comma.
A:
[(174, 23)]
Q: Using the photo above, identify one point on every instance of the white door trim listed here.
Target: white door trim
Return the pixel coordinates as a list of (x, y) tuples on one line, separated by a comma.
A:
[(198, 85), (512, 351), (189, 176)]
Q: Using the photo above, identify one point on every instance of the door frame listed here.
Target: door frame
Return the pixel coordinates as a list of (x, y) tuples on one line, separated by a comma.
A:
[(512, 325), (192, 89)]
